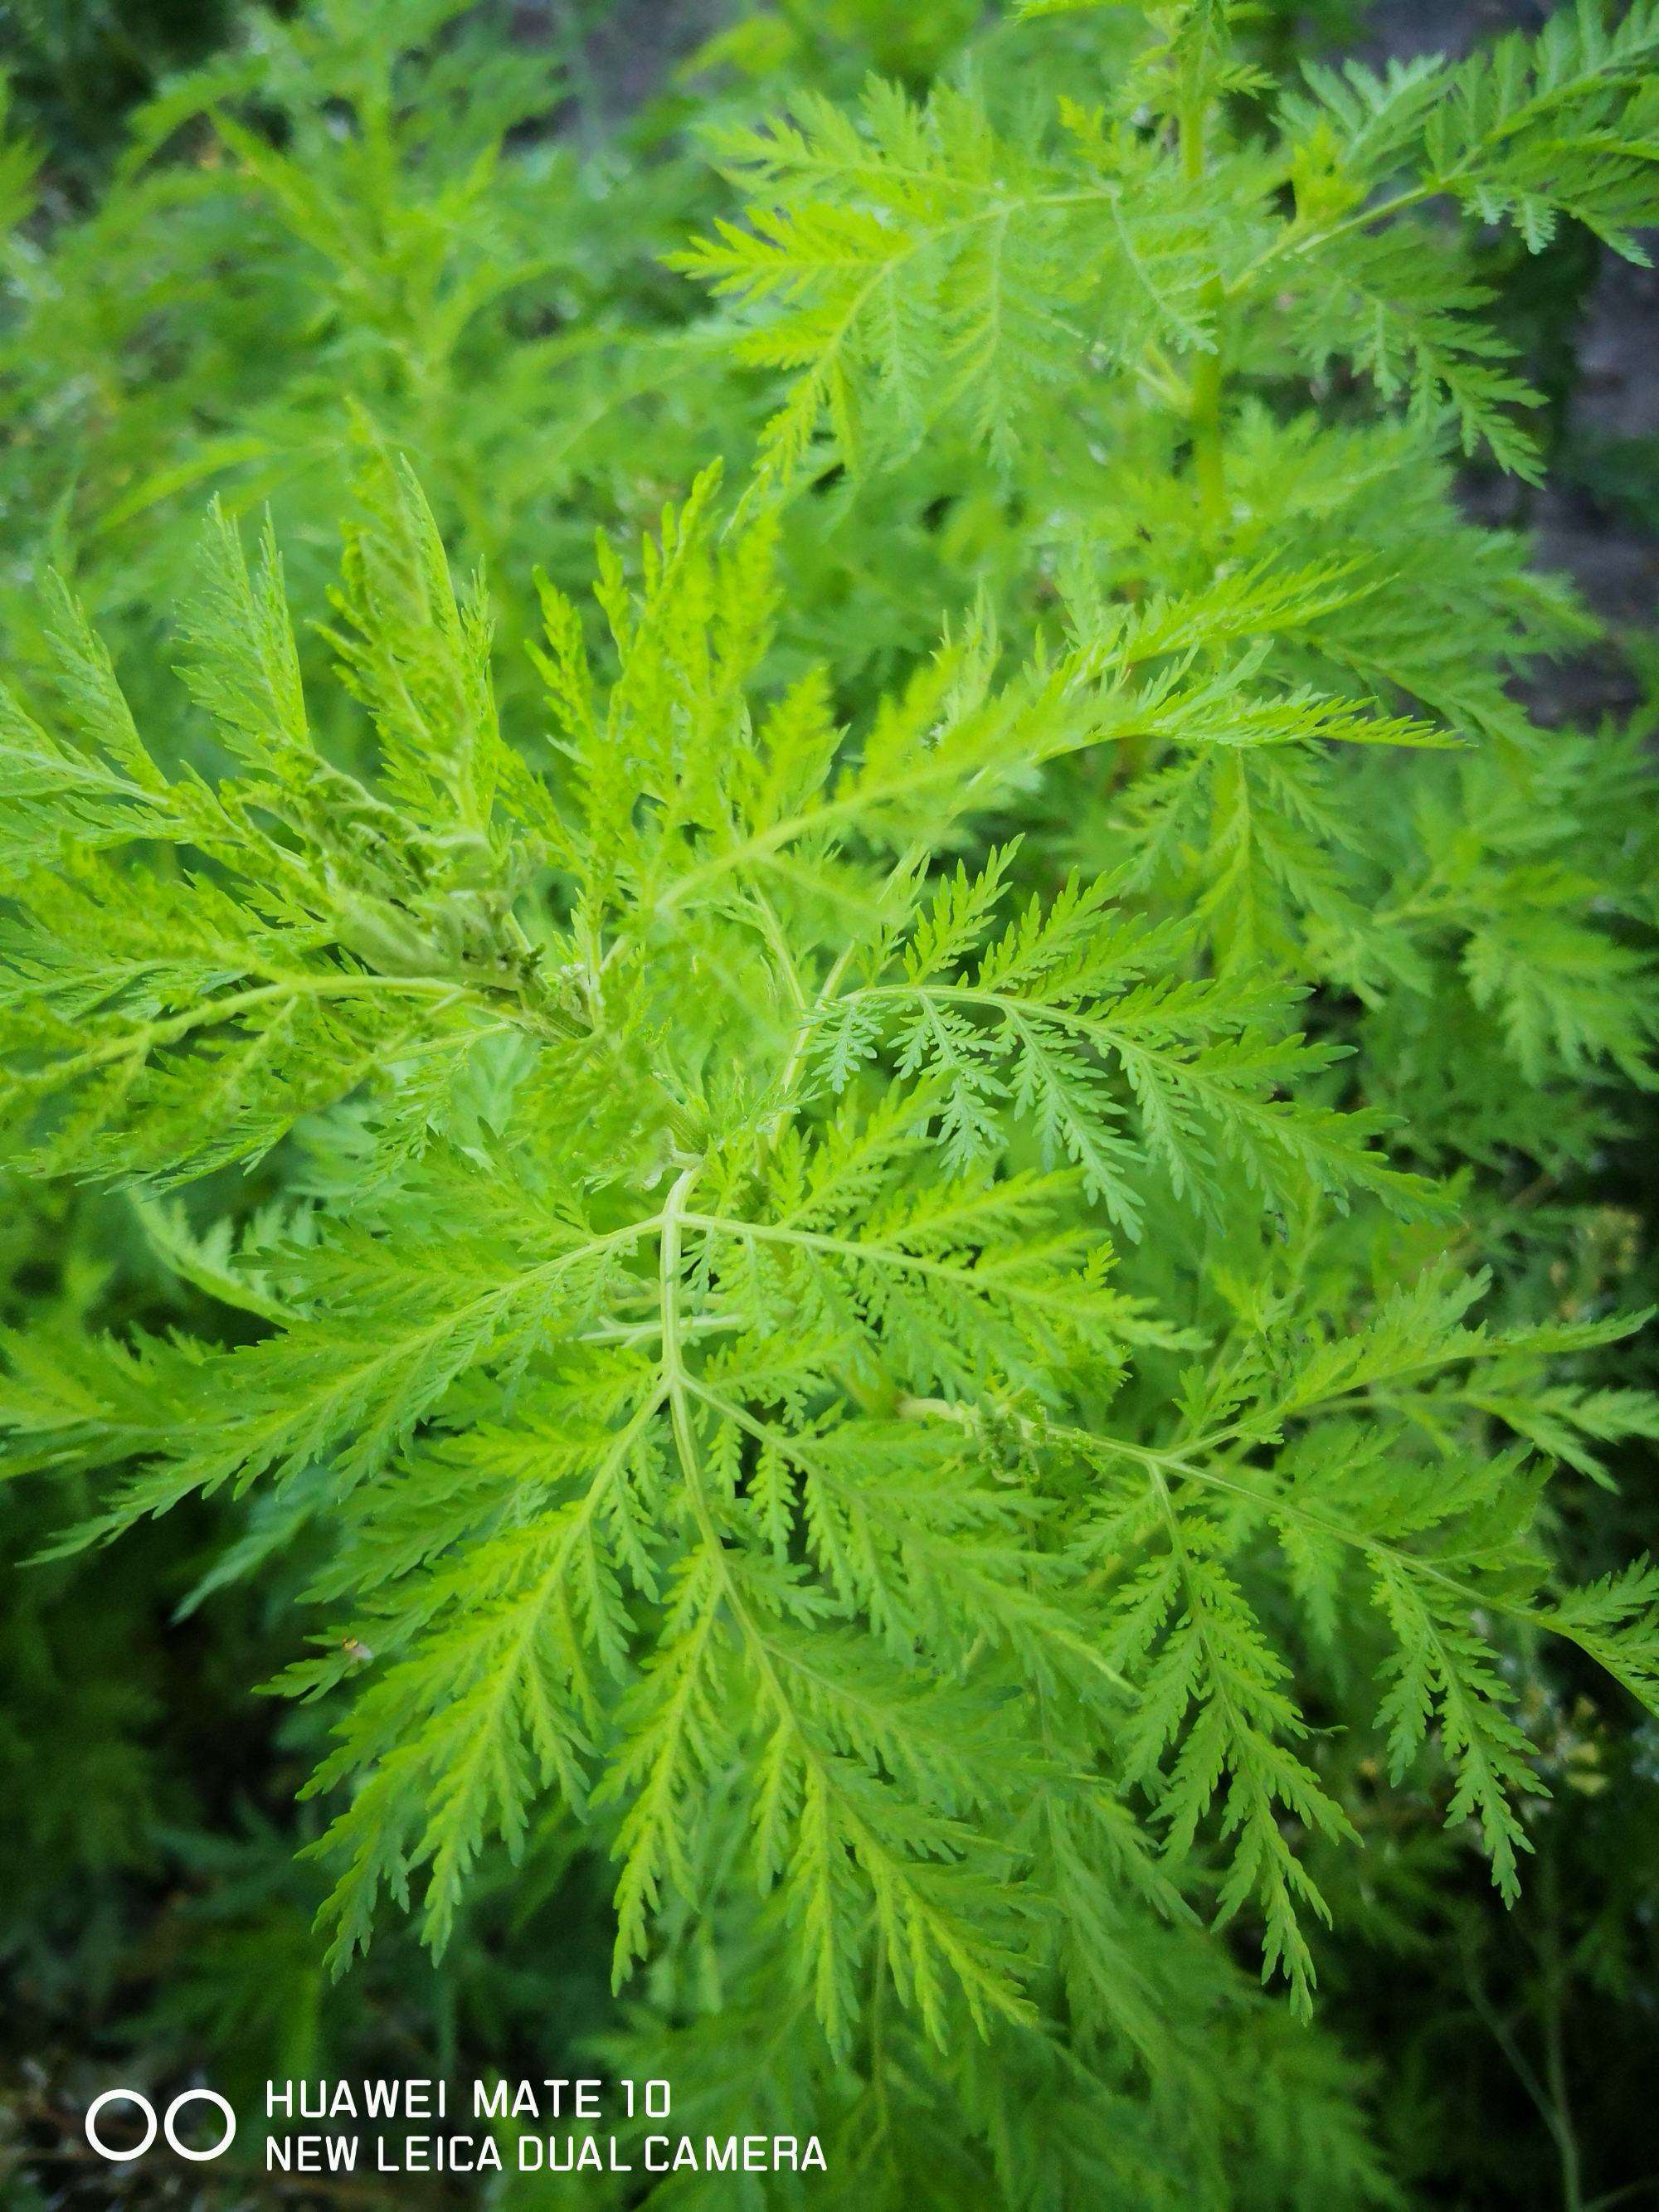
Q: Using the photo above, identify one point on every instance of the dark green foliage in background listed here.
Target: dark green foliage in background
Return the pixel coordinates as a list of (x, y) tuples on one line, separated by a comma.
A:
[(939, 1340), (77, 67)]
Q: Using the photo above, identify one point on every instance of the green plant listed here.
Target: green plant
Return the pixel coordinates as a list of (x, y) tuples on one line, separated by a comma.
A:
[(368, 209), (967, 1326), (79, 66)]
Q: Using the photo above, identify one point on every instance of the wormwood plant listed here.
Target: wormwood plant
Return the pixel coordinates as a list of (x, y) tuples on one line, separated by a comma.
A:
[(932, 1321), (700, 1335), (390, 209)]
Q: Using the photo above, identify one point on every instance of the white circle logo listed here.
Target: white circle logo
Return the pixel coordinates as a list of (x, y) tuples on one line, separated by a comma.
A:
[(120, 2097), (169, 2126), (200, 2097)]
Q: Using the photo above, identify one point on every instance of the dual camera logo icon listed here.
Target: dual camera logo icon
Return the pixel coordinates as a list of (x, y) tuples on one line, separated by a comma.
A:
[(168, 2124)]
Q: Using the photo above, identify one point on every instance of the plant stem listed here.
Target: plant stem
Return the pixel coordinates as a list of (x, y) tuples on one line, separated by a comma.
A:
[(1203, 404), (1555, 2056)]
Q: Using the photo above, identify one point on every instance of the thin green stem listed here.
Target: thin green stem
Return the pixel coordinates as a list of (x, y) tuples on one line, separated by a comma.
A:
[(1293, 246), (1553, 1962), (1204, 406), (150, 1036)]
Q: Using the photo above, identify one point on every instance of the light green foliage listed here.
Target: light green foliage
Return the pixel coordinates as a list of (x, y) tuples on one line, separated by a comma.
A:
[(714, 1433), (885, 245), (345, 224), (941, 1319)]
